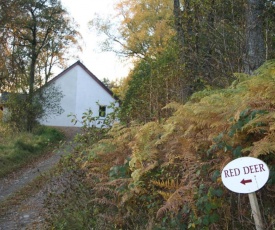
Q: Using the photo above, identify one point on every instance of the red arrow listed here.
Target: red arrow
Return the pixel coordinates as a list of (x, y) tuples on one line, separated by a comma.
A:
[(246, 181)]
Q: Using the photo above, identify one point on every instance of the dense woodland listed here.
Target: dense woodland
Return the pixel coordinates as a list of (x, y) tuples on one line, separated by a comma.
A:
[(186, 46), (201, 94)]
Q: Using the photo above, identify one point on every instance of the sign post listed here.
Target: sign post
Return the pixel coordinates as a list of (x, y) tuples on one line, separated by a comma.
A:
[(256, 211), (247, 175)]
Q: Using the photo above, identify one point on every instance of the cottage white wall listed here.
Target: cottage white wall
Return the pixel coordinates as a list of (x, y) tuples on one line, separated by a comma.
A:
[(90, 95), (81, 92), (66, 84)]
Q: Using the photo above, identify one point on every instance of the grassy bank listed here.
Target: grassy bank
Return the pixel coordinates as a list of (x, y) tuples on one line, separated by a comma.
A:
[(18, 149)]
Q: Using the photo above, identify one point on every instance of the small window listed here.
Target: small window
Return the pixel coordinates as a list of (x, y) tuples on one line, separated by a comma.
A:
[(102, 111)]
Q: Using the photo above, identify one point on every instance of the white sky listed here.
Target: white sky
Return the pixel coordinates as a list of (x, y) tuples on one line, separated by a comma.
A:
[(101, 64)]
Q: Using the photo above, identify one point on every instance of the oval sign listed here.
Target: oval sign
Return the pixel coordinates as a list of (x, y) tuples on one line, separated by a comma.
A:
[(245, 175)]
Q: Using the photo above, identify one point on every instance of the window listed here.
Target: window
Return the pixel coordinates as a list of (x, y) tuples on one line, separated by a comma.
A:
[(102, 111)]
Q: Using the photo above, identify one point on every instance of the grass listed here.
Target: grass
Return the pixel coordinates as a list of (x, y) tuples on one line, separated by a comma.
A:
[(19, 149)]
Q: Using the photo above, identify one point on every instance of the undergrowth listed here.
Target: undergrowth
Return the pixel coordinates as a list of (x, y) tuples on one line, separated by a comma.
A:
[(167, 175), (19, 149)]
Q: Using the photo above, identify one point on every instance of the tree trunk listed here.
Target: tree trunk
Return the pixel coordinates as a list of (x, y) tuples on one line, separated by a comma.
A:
[(30, 116), (255, 47), (186, 81), (178, 23)]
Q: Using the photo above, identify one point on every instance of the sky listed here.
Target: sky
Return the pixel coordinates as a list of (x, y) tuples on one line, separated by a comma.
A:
[(101, 64)]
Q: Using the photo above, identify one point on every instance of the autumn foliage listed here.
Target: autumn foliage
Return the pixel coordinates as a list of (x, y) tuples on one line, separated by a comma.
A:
[(166, 175)]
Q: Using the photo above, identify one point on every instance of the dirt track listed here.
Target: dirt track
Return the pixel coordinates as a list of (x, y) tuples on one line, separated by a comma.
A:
[(26, 214)]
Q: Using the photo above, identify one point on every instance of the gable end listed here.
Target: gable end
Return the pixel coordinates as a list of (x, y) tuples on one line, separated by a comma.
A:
[(88, 72)]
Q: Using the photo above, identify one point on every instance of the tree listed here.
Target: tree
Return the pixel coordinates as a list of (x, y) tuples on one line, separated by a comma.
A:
[(8, 69), (39, 33), (205, 41), (255, 45), (179, 25), (269, 28), (142, 28), (46, 103), (152, 84)]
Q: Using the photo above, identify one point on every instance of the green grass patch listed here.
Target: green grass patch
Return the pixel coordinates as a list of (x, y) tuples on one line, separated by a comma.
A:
[(19, 149)]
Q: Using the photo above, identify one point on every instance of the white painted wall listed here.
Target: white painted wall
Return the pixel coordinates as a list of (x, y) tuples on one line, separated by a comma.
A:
[(81, 92)]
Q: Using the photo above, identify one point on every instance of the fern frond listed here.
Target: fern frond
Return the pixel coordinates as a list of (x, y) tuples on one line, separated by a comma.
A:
[(268, 68), (168, 129), (121, 132), (172, 105), (264, 122), (165, 195), (264, 146), (168, 184), (262, 104), (197, 96), (180, 197)]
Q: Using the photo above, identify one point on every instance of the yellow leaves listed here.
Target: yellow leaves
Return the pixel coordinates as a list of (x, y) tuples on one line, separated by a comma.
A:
[(145, 24), (173, 105), (260, 124), (144, 152), (195, 143), (136, 174), (249, 105), (272, 72), (146, 136), (168, 130), (169, 184), (264, 146), (267, 69), (176, 200), (165, 195)]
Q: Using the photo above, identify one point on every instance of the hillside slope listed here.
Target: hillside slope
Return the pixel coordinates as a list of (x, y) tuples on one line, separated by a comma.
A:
[(167, 175)]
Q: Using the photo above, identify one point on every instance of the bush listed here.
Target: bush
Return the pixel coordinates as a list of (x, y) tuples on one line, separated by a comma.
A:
[(49, 133)]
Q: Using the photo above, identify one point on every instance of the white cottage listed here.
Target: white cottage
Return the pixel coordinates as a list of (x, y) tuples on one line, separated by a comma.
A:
[(82, 90)]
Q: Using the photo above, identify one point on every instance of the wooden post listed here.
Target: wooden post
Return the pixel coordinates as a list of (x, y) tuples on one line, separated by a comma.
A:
[(256, 211)]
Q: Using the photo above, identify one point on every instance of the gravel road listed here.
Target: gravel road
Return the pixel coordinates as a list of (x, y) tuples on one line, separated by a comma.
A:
[(26, 214)]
